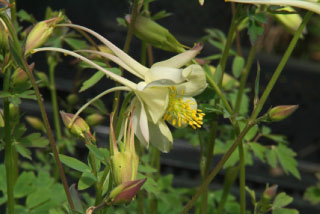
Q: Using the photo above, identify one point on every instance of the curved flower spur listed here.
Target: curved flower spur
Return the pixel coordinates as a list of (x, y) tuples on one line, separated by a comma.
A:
[(164, 93)]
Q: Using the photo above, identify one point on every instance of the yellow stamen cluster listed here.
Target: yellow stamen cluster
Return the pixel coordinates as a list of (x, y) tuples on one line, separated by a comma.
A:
[(179, 111)]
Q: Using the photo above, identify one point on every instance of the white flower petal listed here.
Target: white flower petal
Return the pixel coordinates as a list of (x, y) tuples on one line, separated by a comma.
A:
[(140, 123), (160, 72), (195, 81), (161, 136), (181, 59), (156, 101)]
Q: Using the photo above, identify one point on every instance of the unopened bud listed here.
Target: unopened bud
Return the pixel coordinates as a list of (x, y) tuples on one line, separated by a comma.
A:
[(19, 77), (72, 99), (40, 33), (79, 127), (279, 113), (290, 21), (35, 123), (125, 192), (228, 80), (151, 32), (95, 119), (14, 112), (4, 42), (270, 192)]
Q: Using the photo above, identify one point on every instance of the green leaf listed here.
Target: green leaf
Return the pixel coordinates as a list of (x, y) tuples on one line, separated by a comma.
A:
[(24, 184), (34, 140), (251, 133), (76, 43), (276, 138), (25, 16), (252, 195), (237, 66), (281, 200), (86, 180), (146, 169), (96, 152), (258, 150), (3, 178), (76, 199), (74, 163), (92, 81), (29, 94), (38, 197), (312, 194), (24, 152), (218, 74), (287, 160), (272, 157), (4, 94), (285, 211)]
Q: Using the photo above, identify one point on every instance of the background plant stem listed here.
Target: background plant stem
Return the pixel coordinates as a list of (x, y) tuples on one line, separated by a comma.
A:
[(8, 146), (242, 180)]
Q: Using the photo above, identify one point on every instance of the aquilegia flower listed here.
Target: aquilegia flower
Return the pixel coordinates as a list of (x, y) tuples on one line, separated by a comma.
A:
[(164, 93)]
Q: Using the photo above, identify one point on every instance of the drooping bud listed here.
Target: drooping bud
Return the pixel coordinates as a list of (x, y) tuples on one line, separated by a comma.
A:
[(279, 113), (19, 77), (151, 32), (125, 192), (4, 42), (40, 33), (35, 123), (79, 127), (72, 99), (95, 119), (290, 21), (124, 162), (270, 192)]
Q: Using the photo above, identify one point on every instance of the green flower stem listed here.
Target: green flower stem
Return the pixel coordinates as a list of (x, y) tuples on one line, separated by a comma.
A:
[(280, 67), (126, 50), (220, 94), (13, 10), (244, 77), (209, 157), (49, 133), (242, 180), (53, 91), (225, 54), (8, 146), (218, 167)]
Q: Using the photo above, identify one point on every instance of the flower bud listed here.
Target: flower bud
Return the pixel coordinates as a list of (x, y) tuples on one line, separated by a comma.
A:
[(125, 192), (151, 32), (40, 33), (14, 113), (290, 21), (279, 113), (270, 192), (4, 43), (95, 119), (19, 77), (72, 99), (125, 162), (35, 123), (79, 127), (228, 80)]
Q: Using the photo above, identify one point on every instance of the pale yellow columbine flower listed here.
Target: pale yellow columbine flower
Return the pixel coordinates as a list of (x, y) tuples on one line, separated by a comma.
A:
[(312, 5), (164, 92)]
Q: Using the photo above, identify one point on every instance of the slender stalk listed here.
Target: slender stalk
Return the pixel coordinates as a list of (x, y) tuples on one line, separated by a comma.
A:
[(218, 167), (225, 54), (50, 134), (140, 202), (244, 77), (281, 65), (242, 180), (53, 91), (220, 94), (13, 10), (8, 146)]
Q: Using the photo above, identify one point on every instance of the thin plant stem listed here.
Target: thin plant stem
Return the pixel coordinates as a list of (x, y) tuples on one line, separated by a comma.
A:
[(225, 54), (50, 135), (281, 65), (244, 77), (13, 10), (140, 202), (209, 157), (242, 179), (8, 146), (238, 42), (218, 167), (53, 91), (253, 118)]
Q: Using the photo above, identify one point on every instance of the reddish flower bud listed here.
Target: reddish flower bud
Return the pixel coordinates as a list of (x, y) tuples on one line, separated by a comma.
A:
[(270, 192), (125, 192), (279, 113)]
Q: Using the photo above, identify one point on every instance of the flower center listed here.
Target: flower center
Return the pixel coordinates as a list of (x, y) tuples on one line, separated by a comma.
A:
[(183, 111)]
